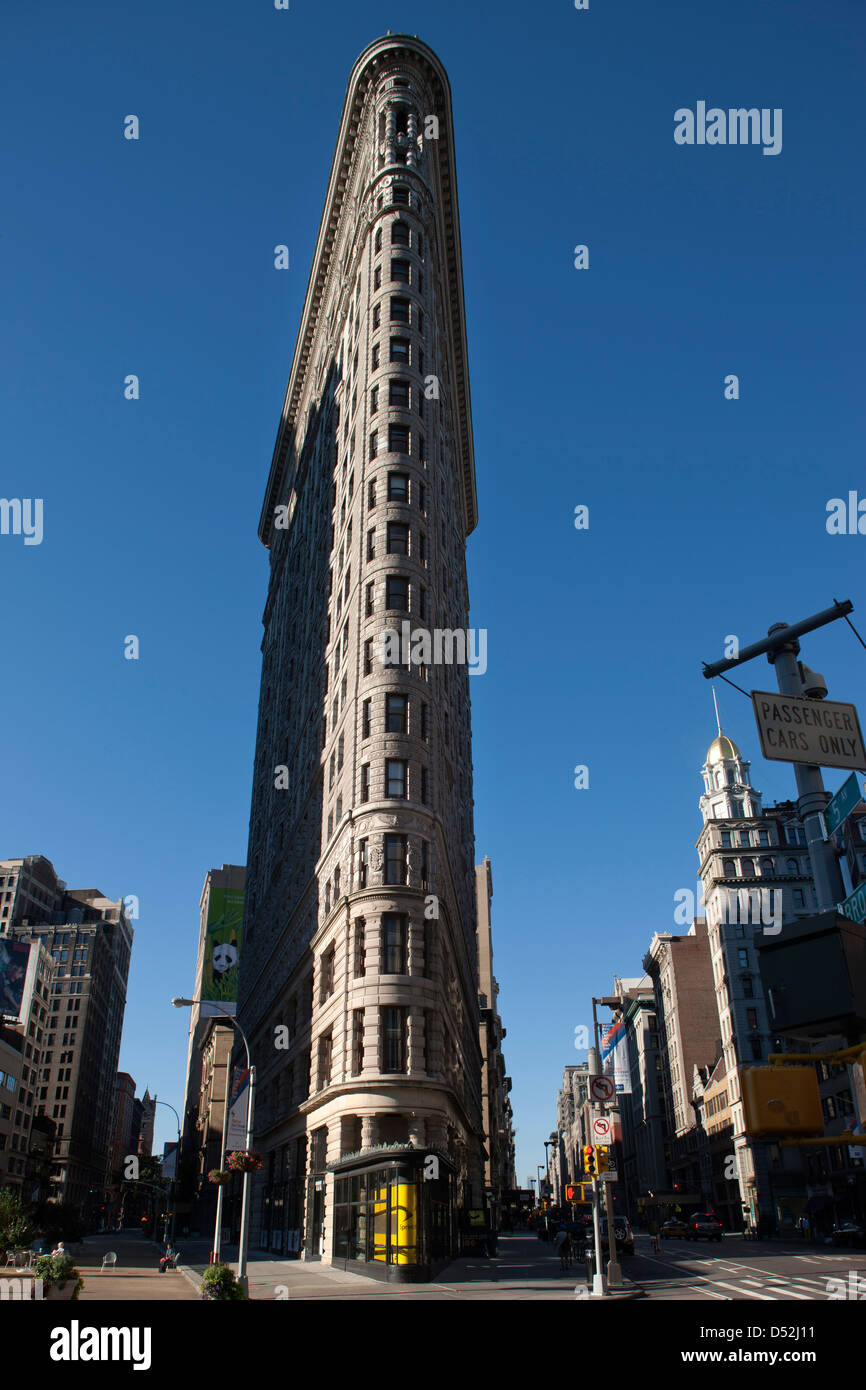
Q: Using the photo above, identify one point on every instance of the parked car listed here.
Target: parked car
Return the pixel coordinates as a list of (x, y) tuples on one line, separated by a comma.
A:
[(848, 1233), (674, 1228), (704, 1225), (622, 1234)]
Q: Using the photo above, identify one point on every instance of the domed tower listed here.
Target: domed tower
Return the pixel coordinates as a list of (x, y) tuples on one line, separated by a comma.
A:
[(728, 793)]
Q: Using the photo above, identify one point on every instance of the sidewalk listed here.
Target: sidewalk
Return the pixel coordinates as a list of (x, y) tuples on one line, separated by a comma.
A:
[(524, 1268), (136, 1276)]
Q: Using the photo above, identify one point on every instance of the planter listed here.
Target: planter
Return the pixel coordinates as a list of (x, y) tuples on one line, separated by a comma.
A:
[(244, 1161), (57, 1292), (219, 1177)]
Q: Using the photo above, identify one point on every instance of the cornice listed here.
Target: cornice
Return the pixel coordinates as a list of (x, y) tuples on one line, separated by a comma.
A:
[(365, 71)]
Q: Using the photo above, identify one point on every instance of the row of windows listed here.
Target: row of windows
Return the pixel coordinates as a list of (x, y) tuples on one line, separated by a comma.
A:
[(401, 235), (768, 866), (393, 1046), (393, 933), (399, 442), (403, 272), (397, 709), (400, 350)]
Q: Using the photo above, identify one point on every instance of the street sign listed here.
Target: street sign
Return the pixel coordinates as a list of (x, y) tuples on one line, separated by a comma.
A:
[(602, 1088), (609, 1176), (601, 1130), (796, 730), (839, 807), (855, 906)]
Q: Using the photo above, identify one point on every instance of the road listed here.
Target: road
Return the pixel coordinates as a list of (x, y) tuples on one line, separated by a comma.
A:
[(765, 1271)]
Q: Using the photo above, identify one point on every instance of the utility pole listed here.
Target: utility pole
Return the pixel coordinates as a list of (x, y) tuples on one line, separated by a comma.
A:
[(782, 647), (614, 1270)]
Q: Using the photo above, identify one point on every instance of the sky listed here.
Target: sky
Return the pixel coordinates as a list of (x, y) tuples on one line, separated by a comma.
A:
[(602, 387)]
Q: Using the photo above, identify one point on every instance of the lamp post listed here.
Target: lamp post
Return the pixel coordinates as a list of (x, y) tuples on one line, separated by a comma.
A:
[(174, 1181), (243, 1242)]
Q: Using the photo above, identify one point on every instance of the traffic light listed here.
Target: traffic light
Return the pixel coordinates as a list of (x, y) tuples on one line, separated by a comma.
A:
[(602, 1158), (589, 1159)]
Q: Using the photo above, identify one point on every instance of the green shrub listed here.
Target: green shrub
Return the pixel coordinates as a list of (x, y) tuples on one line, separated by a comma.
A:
[(219, 1282)]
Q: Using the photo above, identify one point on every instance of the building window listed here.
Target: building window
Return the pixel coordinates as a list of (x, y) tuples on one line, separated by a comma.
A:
[(726, 839), (767, 867), (763, 837), (398, 439), (377, 278), (423, 729), (397, 538), (747, 868), (399, 233), (398, 393), (365, 781), (729, 868), (400, 350), (393, 1028), (792, 866), (377, 319), (360, 952), (377, 240), (371, 543), (757, 1050), (743, 957), (799, 898), (395, 859), (394, 939), (357, 1041), (396, 714), (752, 1018), (326, 1044), (398, 487), (374, 442), (365, 718), (368, 657), (425, 789), (399, 195), (395, 778), (400, 310), (371, 493), (374, 357), (397, 593), (326, 985), (401, 270), (369, 608)]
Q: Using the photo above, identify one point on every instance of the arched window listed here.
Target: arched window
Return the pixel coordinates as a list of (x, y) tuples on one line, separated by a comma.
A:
[(399, 233), (377, 240), (747, 867), (791, 866), (729, 868), (767, 866)]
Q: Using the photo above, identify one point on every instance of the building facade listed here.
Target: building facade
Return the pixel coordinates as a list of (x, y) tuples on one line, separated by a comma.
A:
[(497, 1115), (756, 877), (360, 922), (89, 938)]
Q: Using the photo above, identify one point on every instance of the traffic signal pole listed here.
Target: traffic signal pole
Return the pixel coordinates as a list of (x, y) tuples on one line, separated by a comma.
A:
[(781, 648)]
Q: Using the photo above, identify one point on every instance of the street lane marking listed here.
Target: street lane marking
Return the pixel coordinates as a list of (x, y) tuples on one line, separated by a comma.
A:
[(738, 1289)]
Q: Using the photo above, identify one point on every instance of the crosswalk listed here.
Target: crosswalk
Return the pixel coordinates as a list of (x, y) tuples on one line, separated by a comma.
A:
[(728, 1279)]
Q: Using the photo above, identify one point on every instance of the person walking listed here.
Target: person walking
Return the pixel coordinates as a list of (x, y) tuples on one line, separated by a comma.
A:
[(562, 1247)]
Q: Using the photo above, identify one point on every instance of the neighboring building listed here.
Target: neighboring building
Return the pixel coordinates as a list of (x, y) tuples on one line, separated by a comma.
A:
[(25, 1135), (148, 1119), (127, 1125), (756, 875), (711, 1090), (89, 937), (571, 1127), (210, 1046), (642, 1107), (680, 968), (360, 931), (499, 1174)]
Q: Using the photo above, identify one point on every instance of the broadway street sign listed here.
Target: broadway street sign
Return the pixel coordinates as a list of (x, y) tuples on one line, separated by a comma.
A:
[(796, 730), (855, 906)]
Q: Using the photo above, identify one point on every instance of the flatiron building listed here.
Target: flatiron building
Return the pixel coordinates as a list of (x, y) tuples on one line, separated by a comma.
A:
[(359, 975)]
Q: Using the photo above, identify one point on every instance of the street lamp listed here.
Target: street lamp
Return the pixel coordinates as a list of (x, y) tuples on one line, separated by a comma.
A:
[(175, 1179), (243, 1242)]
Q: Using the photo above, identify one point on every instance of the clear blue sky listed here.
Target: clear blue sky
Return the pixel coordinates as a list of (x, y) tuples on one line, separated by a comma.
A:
[(602, 387)]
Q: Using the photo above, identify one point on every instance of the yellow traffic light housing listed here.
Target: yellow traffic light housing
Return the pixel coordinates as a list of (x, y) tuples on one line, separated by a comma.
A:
[(589, 1159), (602, 1158), (781, 1101)]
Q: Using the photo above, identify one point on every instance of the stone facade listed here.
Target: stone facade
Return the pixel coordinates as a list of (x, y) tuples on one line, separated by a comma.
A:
[(359, 932)]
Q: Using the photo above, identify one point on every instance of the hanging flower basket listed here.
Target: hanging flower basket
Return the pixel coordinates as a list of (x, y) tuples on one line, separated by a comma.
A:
[(219, 1177), (244, 1161)]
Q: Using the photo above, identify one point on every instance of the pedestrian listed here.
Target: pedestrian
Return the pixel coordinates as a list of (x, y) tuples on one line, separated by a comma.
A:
[(562, 1247), (59, 1249)]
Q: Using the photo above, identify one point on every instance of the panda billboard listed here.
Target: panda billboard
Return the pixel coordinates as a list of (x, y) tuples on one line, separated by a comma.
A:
[(225, 920)]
